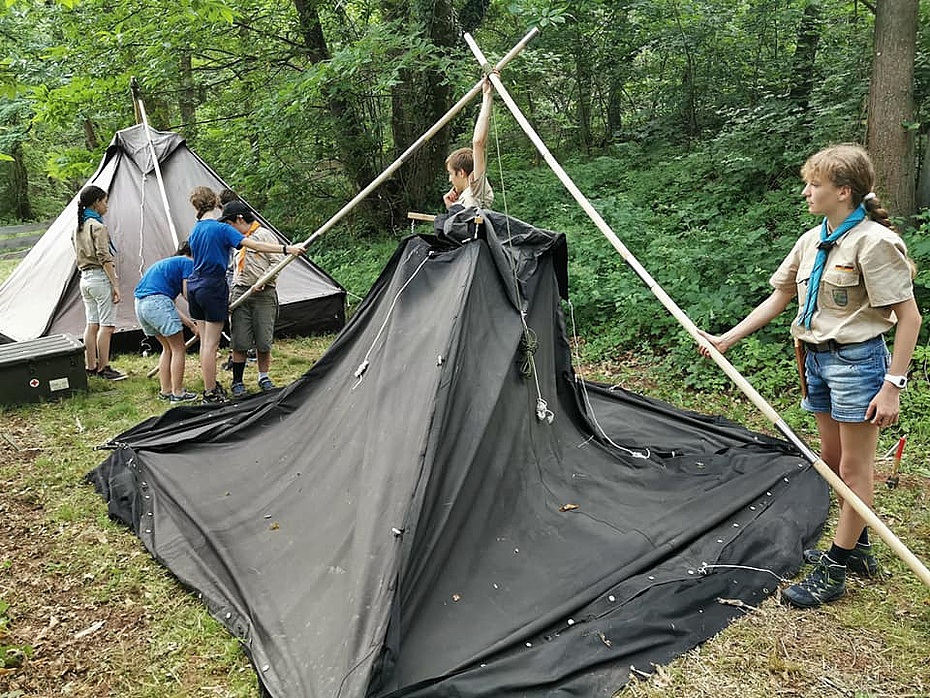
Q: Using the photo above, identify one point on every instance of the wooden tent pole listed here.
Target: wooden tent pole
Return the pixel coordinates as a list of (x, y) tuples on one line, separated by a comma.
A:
[(841, 488), (140, 112), (416, 145)]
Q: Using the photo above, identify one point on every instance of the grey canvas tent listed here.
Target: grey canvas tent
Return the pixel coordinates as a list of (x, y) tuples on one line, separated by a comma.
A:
[(41, 296), (440, 507)]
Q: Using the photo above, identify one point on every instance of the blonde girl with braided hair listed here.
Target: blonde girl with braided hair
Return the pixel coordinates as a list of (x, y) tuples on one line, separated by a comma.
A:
[(854, 282)]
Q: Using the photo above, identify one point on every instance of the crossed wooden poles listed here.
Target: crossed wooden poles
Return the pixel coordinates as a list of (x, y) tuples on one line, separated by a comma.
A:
[(841, 488)]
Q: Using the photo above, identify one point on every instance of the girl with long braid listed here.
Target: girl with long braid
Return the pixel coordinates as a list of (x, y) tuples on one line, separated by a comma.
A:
[(854, 282), (94, 256)]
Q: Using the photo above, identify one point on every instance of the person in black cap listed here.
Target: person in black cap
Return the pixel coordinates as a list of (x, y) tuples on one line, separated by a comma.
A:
[(252, 321), (208, 292)]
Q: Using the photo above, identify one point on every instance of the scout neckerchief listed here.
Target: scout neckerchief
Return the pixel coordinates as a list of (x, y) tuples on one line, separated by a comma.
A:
[(827, 241), (91, 213), (240, 255)]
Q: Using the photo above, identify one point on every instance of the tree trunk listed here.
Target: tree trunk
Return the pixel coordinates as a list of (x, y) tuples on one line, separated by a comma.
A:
[(418, 101), (923, 183), (187, 97), (90, 135), (805, 55), (583, 82), (356, 145), (22, 209), (891, 105)]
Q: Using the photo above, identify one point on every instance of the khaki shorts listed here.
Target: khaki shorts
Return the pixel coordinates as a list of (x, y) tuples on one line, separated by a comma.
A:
[(97, 294), (252, 323)]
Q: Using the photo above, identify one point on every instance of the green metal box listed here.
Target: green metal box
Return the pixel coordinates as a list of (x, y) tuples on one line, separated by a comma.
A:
[(41, 369)]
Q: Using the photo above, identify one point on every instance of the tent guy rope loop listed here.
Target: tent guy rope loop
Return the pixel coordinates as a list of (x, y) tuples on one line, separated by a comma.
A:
[(363, 366), (142, 226), (529, 342), (834, 480), (645, 454)]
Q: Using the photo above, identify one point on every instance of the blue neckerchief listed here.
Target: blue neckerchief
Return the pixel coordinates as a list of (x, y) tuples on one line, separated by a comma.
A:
[(91, 213), (827, 241)]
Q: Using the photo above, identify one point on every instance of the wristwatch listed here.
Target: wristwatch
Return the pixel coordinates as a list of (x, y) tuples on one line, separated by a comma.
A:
[(897, 381)]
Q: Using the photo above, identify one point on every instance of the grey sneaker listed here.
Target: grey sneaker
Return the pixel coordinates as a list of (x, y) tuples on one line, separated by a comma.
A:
[(183, 397), (111, 374), (265, 384), (215, 396), (861, 561), (238, 390), (825, 584)]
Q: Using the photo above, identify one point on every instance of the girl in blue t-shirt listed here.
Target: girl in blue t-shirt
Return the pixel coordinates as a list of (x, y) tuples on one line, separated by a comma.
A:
[(155, 296), (208, 291)]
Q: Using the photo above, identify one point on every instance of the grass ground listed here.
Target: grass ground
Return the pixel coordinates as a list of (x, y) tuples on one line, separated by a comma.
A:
[(86, 612)]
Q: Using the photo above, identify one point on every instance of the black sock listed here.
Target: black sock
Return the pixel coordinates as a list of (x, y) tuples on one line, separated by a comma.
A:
[(839, 555), (238, 371), (863, 541)]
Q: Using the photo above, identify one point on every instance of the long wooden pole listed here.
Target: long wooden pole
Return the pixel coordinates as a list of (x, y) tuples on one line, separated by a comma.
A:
[(842, 489), (416, 145), (140, 110)]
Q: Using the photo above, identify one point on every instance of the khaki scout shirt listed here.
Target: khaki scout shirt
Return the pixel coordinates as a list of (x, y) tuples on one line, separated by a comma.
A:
[(91, 245), (477, 194), (866, 271), (256, 263)]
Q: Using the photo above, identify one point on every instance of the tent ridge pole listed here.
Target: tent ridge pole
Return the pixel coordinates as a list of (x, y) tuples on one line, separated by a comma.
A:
[(140, 112), (377, 181), (841, 488)]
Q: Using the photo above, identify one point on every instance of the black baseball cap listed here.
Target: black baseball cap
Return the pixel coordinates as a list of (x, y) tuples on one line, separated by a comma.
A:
[(234, 209)]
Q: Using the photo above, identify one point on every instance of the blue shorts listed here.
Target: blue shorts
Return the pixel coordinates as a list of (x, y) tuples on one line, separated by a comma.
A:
[(158, 316), (208, 298), (843, 380), (97, 294)]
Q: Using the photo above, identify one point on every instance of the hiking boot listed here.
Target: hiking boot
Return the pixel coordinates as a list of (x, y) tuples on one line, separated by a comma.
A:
[(825, 584), (215, 396), (265, 384), (183, 397), (861, 561), (238, 390), (111, 374)]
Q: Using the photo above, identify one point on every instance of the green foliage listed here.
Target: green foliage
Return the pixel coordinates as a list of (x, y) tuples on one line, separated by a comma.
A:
[(354, 261)]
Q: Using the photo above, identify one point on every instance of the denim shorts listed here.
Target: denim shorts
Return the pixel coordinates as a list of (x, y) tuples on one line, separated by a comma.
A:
[(208, 298), (97, 294), (843, 380), (158, 316)]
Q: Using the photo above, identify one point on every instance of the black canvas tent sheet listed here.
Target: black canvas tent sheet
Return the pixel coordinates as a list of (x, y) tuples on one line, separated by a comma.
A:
[(41, 296), (401, 522)]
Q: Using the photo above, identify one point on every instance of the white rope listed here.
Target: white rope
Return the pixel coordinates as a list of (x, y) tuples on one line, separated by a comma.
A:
[(142, 227), (704, 568), (542, 407), (363, 367), (579, 379)]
